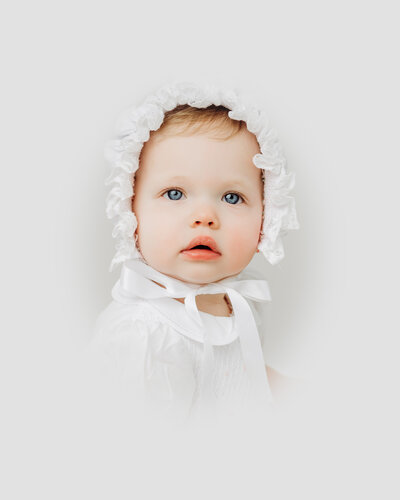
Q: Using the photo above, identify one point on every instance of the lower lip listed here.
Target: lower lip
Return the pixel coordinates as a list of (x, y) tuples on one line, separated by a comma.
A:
[(200, 254)]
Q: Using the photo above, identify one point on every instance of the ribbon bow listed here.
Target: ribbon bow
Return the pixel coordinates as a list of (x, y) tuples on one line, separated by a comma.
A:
[(137, 280)]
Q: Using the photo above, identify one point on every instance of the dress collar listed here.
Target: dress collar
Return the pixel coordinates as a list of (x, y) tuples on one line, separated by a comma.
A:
[(221, 331), (137, 281)]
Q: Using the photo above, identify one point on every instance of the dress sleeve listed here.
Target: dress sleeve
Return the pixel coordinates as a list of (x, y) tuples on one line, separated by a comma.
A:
[(147, 356)]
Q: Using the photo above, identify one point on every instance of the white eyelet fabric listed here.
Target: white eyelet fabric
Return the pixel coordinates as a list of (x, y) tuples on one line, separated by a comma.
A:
[(133, 130)]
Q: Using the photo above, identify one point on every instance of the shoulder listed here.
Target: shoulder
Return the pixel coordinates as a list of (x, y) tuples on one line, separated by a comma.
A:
[(117, 312), (136, 348), (117, 318), (134, 330)]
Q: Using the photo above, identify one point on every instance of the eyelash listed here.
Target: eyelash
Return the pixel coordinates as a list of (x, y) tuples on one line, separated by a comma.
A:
[(229, 192)]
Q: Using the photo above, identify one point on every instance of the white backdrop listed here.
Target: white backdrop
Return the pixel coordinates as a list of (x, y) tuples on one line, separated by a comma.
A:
[(327, 76)]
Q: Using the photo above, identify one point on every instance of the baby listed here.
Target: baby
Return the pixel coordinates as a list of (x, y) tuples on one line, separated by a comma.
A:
[(194, 198)]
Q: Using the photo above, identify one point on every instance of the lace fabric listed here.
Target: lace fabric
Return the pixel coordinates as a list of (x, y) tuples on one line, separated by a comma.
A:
[(161, 368), (133, 129), (178, 366)]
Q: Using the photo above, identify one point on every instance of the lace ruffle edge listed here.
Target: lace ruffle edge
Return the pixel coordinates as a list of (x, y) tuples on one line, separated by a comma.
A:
[(133, 129)]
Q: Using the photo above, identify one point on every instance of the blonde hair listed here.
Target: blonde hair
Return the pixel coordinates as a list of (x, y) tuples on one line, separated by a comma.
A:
[(186, 119)]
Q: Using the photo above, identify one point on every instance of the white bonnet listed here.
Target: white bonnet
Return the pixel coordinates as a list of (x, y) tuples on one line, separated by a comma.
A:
[(133, 130)]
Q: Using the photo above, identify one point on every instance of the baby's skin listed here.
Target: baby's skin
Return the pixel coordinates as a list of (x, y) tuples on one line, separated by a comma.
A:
[(198, 185)]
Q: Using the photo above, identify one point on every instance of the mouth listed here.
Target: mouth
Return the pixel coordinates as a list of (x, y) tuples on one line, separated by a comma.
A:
[(203, 243), (202, 248)]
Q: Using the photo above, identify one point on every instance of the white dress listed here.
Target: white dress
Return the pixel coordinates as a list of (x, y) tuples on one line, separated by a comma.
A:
[(148, 346)]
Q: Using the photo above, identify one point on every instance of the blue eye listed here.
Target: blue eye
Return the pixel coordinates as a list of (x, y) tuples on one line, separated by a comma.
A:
[(230, 200), (175, 194)]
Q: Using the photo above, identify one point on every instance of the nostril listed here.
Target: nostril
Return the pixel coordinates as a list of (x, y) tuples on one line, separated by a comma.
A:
[(202, 222)]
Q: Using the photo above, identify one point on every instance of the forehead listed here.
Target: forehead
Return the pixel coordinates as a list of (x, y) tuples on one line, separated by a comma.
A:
[(179, 157)]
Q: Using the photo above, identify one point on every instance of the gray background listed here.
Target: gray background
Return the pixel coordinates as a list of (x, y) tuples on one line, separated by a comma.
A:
[(327, 76)]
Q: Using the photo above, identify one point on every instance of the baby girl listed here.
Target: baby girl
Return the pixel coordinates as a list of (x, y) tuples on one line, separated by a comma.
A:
[(200, 186)]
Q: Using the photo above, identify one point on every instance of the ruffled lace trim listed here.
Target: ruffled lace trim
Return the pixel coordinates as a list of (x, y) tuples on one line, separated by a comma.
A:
[(133, 129)]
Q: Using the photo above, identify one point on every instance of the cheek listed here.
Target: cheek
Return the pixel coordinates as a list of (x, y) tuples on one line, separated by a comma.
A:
[(243, 235), (156, 227)]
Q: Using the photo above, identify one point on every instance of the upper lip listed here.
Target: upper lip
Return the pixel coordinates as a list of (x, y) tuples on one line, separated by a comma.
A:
[(203, 240)]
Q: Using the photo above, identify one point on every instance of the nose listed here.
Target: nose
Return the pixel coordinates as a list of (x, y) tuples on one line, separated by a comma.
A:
[(205, 216)]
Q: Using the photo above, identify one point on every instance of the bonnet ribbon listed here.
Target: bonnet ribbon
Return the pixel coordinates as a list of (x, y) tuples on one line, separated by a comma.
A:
[(136, 280)]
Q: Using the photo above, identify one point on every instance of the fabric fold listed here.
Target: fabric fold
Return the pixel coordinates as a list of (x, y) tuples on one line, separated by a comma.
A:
[(139, 280)]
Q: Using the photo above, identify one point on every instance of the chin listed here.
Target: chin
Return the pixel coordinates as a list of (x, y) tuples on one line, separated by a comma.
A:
[(194, 280), (202, 278)]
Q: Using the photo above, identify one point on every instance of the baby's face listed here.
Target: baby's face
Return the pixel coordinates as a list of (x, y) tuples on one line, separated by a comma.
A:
[(189, 186)]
